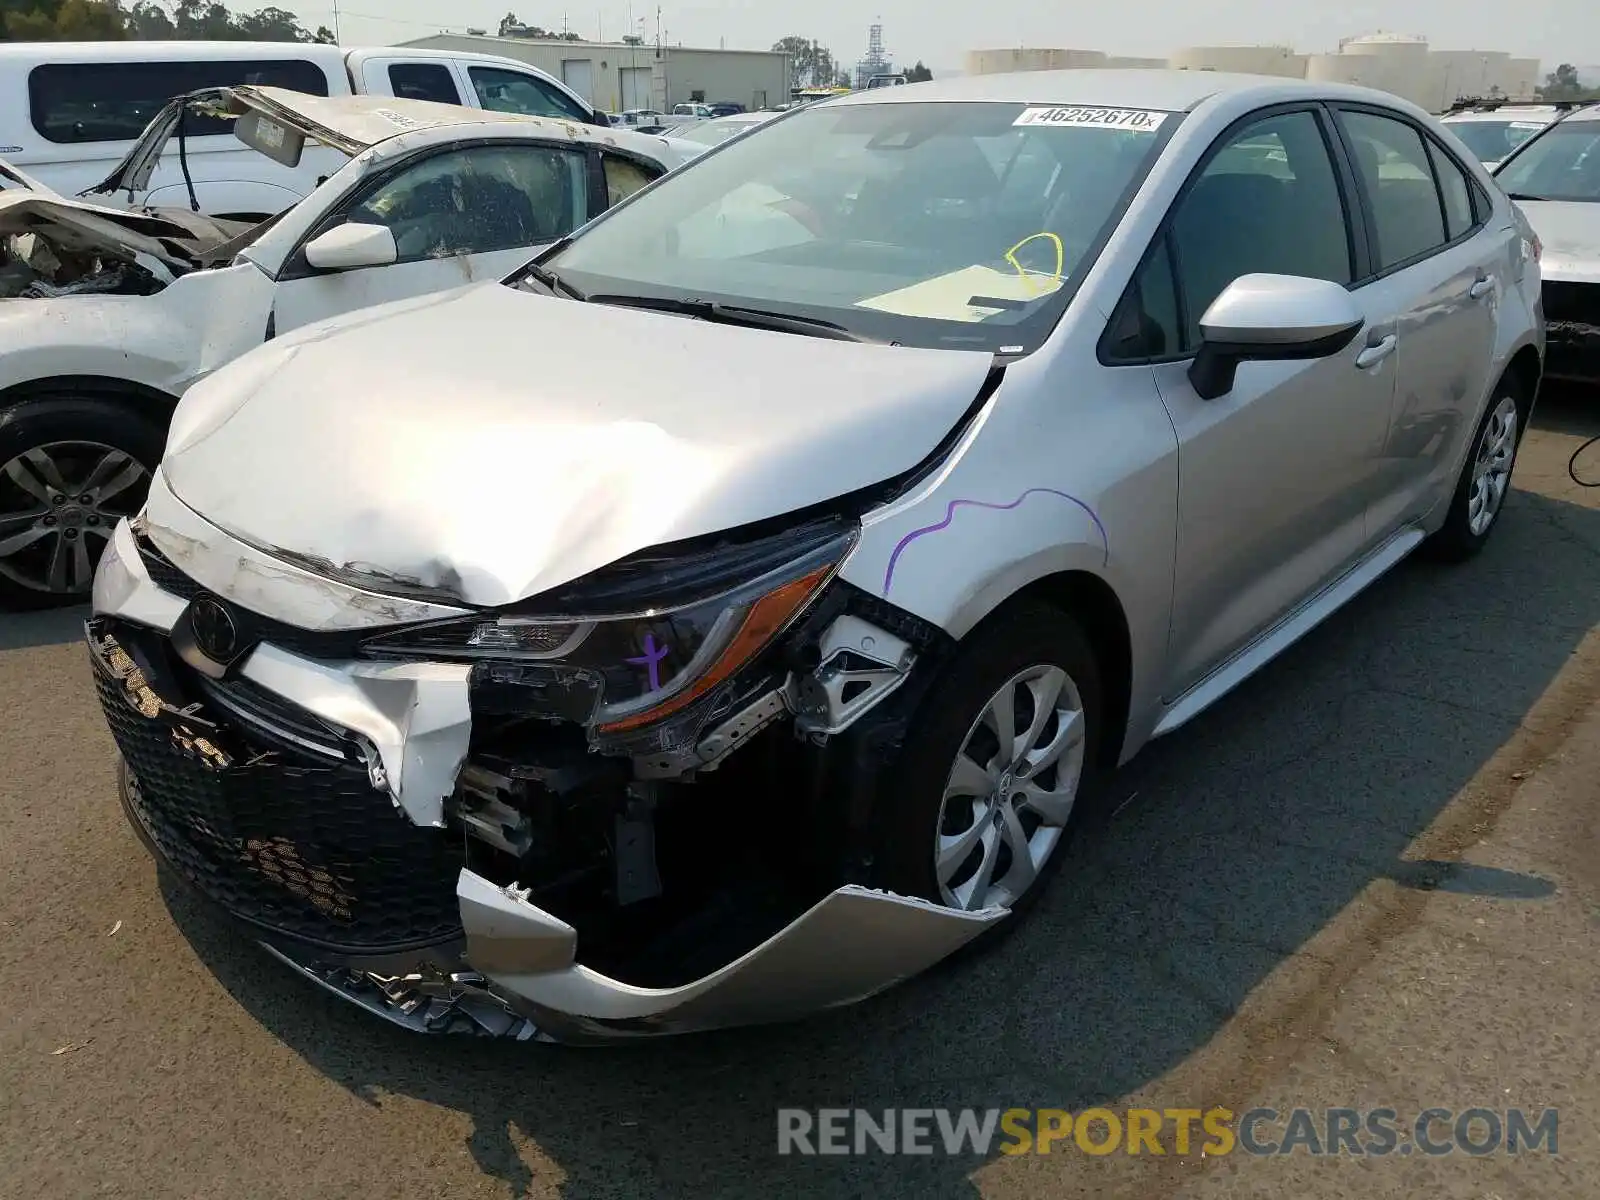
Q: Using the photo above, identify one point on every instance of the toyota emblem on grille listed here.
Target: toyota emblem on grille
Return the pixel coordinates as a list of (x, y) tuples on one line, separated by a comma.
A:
[(214, 630)]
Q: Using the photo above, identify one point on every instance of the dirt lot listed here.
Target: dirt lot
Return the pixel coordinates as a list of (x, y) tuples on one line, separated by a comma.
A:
[(1368, 879)]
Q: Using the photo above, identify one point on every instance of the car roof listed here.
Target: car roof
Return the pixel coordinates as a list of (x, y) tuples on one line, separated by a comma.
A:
[(1167, 90), (165, 51)]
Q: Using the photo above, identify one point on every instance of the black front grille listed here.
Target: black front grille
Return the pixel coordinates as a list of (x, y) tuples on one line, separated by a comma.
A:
[(292, 844), (162, 573)]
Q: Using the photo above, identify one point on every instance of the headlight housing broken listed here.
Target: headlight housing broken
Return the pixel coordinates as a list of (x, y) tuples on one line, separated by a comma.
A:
[(643, 639)]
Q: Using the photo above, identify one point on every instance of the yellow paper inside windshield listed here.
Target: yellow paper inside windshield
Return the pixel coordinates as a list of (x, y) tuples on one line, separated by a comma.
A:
[(948, 297)]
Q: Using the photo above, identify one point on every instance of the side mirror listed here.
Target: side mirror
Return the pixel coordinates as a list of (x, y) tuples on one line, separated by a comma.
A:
[(346, 247), (1260, 317)]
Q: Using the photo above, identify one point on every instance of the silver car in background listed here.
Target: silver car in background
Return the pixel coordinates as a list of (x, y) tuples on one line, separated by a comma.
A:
[(970, 435)]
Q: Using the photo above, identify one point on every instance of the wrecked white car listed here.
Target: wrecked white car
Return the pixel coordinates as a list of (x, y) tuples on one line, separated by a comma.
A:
[(503, 682), (107, 316), (1554, 177)]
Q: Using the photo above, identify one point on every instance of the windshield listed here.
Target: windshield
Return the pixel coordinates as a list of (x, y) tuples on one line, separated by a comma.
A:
[(1563, 164), (1492, 141), (964, 226)]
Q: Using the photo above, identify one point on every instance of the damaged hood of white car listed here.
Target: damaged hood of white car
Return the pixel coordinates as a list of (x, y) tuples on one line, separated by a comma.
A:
[(489, 444), (1570, 235)]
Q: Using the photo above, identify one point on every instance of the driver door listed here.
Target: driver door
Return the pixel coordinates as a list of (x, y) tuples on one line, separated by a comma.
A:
[(458, 216)]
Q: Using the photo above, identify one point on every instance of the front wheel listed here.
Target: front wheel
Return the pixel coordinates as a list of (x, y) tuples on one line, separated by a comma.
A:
[(982, 803), (1485, 479), (71, 467)]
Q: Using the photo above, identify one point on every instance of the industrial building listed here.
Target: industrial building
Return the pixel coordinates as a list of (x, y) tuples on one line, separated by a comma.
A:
[(617, 77), (1405, 66)]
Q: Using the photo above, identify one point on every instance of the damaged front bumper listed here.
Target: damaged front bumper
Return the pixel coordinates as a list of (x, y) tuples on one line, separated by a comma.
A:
[(307, 798)]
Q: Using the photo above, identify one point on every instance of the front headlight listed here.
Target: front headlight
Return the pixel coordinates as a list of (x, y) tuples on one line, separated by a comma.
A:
[(641, 640)]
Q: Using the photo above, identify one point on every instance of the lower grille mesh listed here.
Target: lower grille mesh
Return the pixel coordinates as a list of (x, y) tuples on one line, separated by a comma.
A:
[(296, 846)]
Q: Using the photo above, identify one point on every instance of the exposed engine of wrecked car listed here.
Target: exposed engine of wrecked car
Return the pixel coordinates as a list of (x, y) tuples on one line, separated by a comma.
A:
[(32, 268), (47, 259)]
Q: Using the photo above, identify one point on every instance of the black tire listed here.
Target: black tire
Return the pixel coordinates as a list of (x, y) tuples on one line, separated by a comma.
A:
[(1455, 540), (1022, 635), (68, 417)]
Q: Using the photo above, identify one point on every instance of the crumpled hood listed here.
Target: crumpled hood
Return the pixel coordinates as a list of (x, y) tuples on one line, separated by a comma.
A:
[(1570, 234), (491, 444)]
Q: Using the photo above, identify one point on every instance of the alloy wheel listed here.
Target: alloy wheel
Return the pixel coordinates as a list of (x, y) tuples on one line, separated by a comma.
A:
[(1491, 472), (59, 505), (1011, 790)]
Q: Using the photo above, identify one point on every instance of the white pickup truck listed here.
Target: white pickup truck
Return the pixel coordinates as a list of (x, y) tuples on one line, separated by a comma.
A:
[(71, 111)]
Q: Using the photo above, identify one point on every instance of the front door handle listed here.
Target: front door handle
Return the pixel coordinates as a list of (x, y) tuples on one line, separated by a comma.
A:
[(1481, 289), (1377, 352)]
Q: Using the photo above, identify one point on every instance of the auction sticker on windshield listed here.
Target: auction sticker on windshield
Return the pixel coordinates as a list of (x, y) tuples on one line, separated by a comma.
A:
[(1142, 120)]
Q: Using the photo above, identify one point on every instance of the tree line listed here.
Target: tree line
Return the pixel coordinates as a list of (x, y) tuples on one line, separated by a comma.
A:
[(149, 20), (1563, 84)]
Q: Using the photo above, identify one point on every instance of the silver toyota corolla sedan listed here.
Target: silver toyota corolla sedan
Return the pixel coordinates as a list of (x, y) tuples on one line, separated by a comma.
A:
[(724, 617)]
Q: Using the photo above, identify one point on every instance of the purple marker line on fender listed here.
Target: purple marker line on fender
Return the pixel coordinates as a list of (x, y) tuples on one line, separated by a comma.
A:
[(651, 659), (950, 513)]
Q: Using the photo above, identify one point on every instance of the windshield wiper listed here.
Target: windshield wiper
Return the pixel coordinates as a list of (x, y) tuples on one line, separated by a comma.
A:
[(738, 314), (547, 278), (1523, 196)]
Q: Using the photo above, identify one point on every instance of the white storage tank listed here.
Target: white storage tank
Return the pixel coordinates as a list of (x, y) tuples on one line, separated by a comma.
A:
[(1139, 64), (1399, 46), (1522, 76), (1397, 76), (1024, 58), (1242, 60), (1460, 74)]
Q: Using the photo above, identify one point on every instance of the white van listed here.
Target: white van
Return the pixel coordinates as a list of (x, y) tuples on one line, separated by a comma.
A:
[(71, 111)]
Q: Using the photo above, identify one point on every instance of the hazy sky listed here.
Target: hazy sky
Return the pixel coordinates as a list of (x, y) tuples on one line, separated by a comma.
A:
[(941, 33)]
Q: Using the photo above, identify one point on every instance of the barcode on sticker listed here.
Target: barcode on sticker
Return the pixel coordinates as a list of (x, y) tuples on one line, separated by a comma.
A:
[(1141, 120)]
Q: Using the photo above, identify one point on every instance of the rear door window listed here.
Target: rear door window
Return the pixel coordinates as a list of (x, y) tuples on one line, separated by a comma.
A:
[(423, 81), (114, 101), (1393, 170), (1456, 192)]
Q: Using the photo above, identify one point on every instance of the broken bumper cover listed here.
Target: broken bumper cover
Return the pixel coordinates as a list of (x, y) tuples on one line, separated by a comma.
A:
[(343, 882)]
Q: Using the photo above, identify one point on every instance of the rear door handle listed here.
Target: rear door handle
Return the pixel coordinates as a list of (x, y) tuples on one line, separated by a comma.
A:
[(1481, 289), (1377, 352)]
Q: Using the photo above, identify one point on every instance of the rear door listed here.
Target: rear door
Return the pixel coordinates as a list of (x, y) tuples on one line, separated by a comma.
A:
[(1274, 475), (1438, 275), (460, 214)]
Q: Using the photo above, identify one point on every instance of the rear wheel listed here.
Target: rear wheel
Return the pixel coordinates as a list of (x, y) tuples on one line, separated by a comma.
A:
[(71, 467), (986, 794), (1485, 478)]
